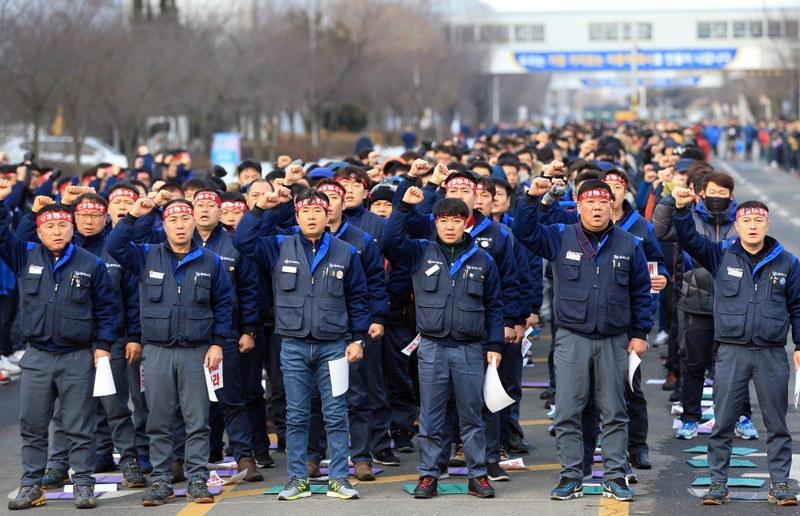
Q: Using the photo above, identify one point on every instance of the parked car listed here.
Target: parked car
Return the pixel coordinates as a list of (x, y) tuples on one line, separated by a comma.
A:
[(61, 150)]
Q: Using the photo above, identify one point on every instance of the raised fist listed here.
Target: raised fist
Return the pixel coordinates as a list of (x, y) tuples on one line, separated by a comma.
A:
[(413, 196), (142, 206), (539, 186), (419, 168), (683, 197), (40, 202)]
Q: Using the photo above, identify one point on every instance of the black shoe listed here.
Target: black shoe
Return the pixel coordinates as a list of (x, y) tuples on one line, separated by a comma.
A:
[(145, 464), (480, 487), (54, 478), (27, 497), (198, 491), (215, 456), (547, 393), (630, 476), (495, 472), (264, 460), (386, 457), (177, 471), (641, 460), (402, 442), (717, 494), (160, 493), (677, 395), (427, 487), (104, 463), (84, 497)]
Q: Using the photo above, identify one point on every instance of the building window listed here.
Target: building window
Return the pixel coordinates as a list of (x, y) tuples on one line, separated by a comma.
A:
[(774, 28), (611, 31), (720, 30), (523, 33), (465, 34), (595, 31), (703, 30), (739, 29), (791, 29), (756, 29), (502, 33), (644, 31)]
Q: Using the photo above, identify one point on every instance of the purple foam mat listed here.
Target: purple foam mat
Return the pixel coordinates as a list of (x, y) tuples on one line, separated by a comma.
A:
[(212, 490), (227, 472), (597, 474), (324, 471), (108, 479), (535, 385), (61, 495), (458, 471)]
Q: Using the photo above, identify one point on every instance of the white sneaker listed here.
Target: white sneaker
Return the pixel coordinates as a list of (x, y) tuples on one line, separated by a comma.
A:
[(661, 338), (7, 366), (16, 356)]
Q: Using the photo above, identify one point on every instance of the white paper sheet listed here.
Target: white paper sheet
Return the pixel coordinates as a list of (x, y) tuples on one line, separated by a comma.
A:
[(412, 346), (213, 380), (340, 376), (494, 395), (633, 364), (526, 343), (796, 387), (652, 267), (103, 379)]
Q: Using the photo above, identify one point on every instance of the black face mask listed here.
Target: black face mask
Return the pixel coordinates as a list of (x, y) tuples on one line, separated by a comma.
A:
[(717, 204)]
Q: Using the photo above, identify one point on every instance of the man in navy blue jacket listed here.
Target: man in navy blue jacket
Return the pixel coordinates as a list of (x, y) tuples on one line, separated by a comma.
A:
[(60, 326), (757, 285), (321, 312), (458, 305), (186, 304), (602, 295)]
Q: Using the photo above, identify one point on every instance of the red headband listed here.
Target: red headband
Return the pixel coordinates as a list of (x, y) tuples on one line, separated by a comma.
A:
[(53, 216), (209, 196), (312, 201), (237, 205), (327, 187), (480, 187), (460, 181), (91, 205), (596, 193), (758, 212), (611, 176), (123, 192), (177, 209)]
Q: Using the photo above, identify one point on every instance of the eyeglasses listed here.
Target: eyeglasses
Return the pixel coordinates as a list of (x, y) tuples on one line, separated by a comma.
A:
[(93, 216)]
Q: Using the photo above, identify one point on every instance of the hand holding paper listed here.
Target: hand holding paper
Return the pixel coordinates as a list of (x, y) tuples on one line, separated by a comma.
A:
[(494, 395), (214, 380), (796, 387), (103, 379), (340, 376)]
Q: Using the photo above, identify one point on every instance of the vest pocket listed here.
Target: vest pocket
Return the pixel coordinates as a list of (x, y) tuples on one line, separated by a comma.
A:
[(332, 315), (430, 314), (622, 271), (334, 286), (33, 317), (475, 287), (775, 325), (619, 310), (31, 285), (76, 324), (286, 280), (571, 271), (156, 324), (731, 318), (202, 290), (289, 311), (79, 289), (730, 287), (199, 323), (470, 317), (154, 289), (571, 306)]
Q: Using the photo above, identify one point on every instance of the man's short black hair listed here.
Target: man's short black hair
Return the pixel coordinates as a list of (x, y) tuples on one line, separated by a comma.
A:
[(55, 207), (311, 193), (466, 175), (594, 184), (450, 208), (194, 184), (502, 183), (91, 197), (233, 197), (177, 201), (617, 172), (248, 163), (488, 184)]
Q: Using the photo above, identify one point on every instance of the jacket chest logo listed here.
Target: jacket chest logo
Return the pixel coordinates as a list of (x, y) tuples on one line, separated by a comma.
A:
[(735, 272)]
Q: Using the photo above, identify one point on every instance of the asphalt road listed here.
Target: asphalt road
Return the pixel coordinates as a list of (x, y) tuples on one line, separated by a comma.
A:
[(663, 490)]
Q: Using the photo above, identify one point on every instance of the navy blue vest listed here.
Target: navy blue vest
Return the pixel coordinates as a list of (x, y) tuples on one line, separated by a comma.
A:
[(60, 311), (593, 297), (173, 313), (310, 298), (449, 299), (222, 245), (750, 311)]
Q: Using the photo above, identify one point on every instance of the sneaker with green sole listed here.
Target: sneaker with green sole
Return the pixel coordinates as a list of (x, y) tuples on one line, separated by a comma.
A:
[(296, 488), (341, 488)]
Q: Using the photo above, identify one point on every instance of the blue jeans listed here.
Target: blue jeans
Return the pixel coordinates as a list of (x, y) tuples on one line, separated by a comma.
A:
[(304, 364)]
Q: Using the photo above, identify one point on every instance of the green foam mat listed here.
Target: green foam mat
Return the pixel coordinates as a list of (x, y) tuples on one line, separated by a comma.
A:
[(314, 490), (732, 482), (735, 463), (735, 451), (442, 489), (593, 489)]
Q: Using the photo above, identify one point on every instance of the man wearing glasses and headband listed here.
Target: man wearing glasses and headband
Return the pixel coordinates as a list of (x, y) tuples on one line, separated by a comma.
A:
[(756, 282)]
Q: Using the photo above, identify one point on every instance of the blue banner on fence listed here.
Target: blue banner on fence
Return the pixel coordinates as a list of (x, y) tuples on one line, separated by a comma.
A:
[(678, 59)]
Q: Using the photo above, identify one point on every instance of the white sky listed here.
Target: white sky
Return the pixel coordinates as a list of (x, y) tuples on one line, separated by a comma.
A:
[(634, 5)]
